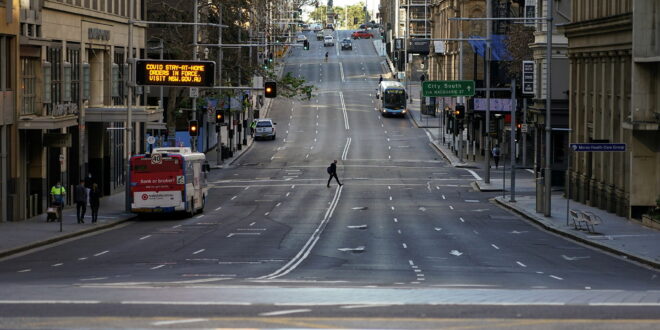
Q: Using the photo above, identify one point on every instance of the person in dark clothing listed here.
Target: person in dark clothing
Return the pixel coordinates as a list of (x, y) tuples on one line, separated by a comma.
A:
[(95, 201), (496, 155), (80, 197), (332, 170)]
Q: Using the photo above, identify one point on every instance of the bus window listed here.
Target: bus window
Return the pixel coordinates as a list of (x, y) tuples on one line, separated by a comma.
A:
[(394, 99)]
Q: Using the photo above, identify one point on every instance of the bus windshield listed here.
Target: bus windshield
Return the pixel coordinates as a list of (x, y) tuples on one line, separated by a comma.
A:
[(394, 99)]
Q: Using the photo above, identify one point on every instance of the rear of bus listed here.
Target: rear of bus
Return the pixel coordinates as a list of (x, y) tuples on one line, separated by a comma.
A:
[(157, 183)]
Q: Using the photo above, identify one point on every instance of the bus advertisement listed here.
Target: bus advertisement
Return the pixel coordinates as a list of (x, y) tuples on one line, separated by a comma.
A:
[(168, 180)]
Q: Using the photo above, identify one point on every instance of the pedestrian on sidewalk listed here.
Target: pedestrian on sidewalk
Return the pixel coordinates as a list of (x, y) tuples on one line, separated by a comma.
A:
[(80, 197), (95, 201), (57, 194), (253, 127), (380, 80), (496, 155), (332, 170)]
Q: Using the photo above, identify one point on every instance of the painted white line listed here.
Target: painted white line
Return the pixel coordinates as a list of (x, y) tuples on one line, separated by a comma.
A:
[(392, 208), (293, 186), (49, 302), (267, 213), (556, 277), (234, 197), (405, 246), (521, 264), (85, 258), (199, 251), (179, 321), (311, 242), (390, 197), (341, 70), (278, 204), (199, 216), (443, 197), (530, 171), (288, 193), (389, 188), (411, 262), (344, 154), (177, 226), (252, 224), (396, 220), (246, 188), (474, 174), (101, 253), (145, 237), (24, 270), (57, 264), (451, 207), (343, 109), (218, 208), (159, 266), (284, 312), (462, 220), (495, 246), (399, 231)]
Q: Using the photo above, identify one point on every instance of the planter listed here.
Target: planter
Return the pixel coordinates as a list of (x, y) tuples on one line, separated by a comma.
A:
[(649, 222)]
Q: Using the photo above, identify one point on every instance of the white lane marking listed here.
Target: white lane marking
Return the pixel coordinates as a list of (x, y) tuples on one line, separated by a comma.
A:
[(177, 226), (307, 156), (392, 208), (530, 171), (390, 197), (101, 253), (85, 258), (341, 70), (159, 266), (311, 242), (145, 237), (179, 321), (199, 216), (389, 188), (251, 224), (199, 251), (284, 312), (399, 231), (405, 246), (462, 220), (344, 154), (24, 270), (246, 188), (411, 262), (235, 234), (267, 213), (234, 197), (396, 220), (293, 186), (218, 208), (278, 204), (495, 246), (474, 174), (521, 264), (49, 302), (288, 193), (443, 197), (343, 109), (451, 207), (57, 264), (556, 277)]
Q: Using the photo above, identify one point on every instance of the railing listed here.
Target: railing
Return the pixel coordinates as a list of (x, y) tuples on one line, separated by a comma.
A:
[(63, 109)]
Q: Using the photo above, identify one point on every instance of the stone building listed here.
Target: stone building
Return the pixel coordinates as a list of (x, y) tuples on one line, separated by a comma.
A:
[(614, 51), (72, 111), (9, 28)]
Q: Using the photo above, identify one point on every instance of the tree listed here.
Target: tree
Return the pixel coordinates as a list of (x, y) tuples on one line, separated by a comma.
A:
[(519, 37), (318, 14)]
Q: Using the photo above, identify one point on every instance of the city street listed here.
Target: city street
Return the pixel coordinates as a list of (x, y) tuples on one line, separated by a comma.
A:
[(405, 242)]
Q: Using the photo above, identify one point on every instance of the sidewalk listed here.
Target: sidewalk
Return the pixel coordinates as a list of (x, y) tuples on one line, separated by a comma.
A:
[(24, 235), (617, 235)]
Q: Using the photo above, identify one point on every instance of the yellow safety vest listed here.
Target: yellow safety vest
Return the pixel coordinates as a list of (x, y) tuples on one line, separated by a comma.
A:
[(57, 191)]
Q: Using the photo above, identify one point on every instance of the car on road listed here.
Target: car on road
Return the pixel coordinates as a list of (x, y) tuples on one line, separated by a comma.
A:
[(328, 41), (265, 128), (361, 35), (301, 38), (319, 35), (346, 44), (330, 26)]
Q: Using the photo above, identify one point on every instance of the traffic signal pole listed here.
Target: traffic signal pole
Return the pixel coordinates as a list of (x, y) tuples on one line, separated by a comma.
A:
[(512, 148)]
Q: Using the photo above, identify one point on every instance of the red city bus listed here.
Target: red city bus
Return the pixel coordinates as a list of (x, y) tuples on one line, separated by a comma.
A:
[(168, 180)]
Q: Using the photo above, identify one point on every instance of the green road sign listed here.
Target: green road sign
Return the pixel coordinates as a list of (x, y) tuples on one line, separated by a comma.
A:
[(448, 88)]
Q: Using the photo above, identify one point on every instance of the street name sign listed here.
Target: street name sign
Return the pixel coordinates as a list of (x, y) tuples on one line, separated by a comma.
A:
[(175, 73), (435, 88), (598, 147)]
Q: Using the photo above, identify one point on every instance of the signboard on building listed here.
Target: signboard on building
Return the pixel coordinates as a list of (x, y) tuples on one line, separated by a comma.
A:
[(439, 46), (175, 73), (419, 46), (57, 140), (598, 147), (528, 77), (503, 105), (436, 88)]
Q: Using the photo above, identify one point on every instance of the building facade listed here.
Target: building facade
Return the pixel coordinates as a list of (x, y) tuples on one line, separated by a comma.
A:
[(72, 104), (614, 58), (9, 31)]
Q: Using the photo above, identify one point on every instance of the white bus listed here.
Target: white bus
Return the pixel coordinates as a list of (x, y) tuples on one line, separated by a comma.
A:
[(168, 180), (391, 97)]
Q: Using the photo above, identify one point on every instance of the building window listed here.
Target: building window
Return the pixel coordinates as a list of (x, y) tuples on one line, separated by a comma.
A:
[(54, 57), (119, 61), (29, 85), (5, 63), (73, 57)]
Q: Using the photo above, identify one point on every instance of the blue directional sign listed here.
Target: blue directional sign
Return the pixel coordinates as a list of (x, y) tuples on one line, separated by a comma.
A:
[(598, 147)]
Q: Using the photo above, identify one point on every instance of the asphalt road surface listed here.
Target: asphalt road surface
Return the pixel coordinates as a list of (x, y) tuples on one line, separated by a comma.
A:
[(404, 243)]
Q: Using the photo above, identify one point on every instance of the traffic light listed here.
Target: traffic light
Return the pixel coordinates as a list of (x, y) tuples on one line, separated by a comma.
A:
[(459, 111), (306, 45), (270, 57), (219, 117), (193, 128), (270, 89)]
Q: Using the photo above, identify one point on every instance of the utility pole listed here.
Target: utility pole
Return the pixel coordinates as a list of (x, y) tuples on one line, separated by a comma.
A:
[(194, 99), (129, 110), (489, 34), (512, 148), (548, 112), (218, 146)]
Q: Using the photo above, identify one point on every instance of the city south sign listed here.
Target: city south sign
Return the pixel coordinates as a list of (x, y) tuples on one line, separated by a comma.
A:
[(175, 73), (445, 88)]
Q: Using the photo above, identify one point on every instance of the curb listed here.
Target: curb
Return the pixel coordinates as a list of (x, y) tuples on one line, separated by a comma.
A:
[(52, 240), (553, 229)]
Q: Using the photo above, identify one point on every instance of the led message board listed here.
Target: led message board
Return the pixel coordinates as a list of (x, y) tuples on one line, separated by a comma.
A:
[(175, 73)]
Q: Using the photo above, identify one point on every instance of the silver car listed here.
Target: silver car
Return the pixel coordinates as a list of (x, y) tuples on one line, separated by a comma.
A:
[(265, 128)]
